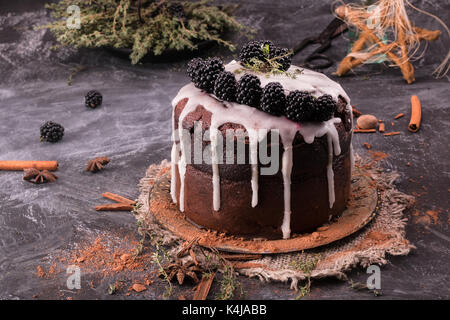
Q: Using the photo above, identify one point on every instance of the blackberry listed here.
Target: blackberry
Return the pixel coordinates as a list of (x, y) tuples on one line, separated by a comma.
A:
[(249, 91), (93, 99), (253, 49), (324, 108), (194, 65), (225, 86), (206, 74), (300, 106), (51, 131), (285, 60), (273, 100)]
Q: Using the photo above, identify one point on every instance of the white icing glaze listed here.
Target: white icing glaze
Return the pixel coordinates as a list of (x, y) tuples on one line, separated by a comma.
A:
[(352, 156), (174, 161), (215, 166), (173, 181), (253, 119), (314, 82), (253, 139), (286, 170)]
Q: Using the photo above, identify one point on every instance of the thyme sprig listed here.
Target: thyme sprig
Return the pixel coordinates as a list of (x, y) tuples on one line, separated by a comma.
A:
[(149, 28), (269, 65), (306, 264)]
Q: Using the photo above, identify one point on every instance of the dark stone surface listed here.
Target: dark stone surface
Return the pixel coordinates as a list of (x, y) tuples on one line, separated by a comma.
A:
[(133, 129)]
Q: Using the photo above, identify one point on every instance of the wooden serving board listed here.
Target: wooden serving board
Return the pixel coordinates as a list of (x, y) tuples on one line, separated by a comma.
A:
[(360, 211)]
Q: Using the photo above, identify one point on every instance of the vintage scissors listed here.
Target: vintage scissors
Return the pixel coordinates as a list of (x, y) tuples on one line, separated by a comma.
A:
[(334, 29)]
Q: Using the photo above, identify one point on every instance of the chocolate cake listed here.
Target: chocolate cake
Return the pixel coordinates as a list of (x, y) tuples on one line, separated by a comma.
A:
[(311, 161)]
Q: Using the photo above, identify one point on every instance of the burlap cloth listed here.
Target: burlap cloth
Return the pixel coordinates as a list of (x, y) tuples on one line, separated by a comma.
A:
[(385, 234)]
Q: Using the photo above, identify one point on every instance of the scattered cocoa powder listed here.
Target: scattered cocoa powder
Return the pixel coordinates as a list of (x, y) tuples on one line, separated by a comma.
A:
[(378, 155), (102, 255), (433, 214), (426, 218), (422, 220), (105, 255), (139, 287), (40, 272)]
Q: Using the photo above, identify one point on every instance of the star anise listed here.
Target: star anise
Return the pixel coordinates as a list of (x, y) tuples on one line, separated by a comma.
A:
[(35, 176), (182, 270), (97, 164)]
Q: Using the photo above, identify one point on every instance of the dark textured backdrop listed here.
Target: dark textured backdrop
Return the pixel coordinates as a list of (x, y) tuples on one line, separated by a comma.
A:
[(132, 127)]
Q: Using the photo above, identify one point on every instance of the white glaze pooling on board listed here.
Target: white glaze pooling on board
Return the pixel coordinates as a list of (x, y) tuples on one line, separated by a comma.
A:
[(253, 119)]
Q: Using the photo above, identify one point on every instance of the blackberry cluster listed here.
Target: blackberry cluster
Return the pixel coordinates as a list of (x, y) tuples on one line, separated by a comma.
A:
[(300, 106), (225, 86), (253, 49), (273, 100), (93, 99), (285, 57), (51, 131), (249, 91), (204, 73), (324, 108)]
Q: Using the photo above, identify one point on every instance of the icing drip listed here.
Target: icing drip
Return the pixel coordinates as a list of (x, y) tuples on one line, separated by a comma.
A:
[(286, 170), (253, 119), (330, 173), (253, 137), (215, 166), (182, 170), (309, 131), (173, 182), (333, 143), (352, 157)]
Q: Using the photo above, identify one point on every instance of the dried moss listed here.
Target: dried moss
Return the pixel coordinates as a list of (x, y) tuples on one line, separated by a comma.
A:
[(117, 24)]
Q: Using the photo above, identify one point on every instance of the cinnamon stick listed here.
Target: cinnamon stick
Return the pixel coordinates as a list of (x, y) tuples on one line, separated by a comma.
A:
[(399, 116), (356, 112), (19, 165), (394, 133), (364, 130), (114, 207), (187, 245), (203, 287), (416, 114), (117, 198)]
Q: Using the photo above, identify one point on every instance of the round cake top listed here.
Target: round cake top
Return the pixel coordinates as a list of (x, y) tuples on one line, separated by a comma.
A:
[(264, 79), (263, 91)]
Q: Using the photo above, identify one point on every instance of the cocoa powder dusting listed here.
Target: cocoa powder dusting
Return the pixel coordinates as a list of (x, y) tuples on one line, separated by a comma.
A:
[(103, 256)]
